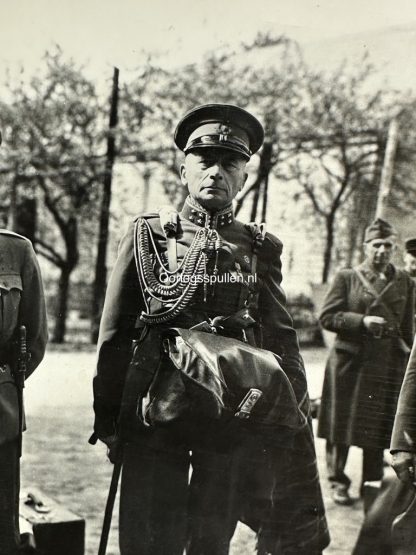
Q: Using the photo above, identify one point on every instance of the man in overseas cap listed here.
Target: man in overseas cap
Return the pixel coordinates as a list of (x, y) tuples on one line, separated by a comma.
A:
[(22, 303), (194, 272), (370, 308)]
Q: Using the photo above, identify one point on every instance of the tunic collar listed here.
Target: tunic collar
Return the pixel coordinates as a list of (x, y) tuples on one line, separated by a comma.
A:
[(372, 275), (198, 215)]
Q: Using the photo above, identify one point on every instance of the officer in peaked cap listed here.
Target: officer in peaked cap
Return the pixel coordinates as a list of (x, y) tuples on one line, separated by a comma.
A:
[(22, 303), (370, 308), (161, 509), (220, 126)]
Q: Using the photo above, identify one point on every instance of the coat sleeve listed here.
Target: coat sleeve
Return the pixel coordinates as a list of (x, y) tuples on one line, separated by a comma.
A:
[(123, 303), (278, 334), (335, 315), (407, 325), (404, 429), (32, 309)]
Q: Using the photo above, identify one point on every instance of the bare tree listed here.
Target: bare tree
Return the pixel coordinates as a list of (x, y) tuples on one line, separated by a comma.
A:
[(54, 137)]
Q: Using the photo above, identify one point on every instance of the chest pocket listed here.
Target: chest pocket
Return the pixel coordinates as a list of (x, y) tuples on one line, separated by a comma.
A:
[(10, 293)]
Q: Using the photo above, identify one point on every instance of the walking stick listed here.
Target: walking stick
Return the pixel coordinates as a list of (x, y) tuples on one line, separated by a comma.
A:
[(110, 506)]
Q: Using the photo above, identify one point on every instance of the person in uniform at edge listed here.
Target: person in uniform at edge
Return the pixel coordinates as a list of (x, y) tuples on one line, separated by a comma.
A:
[(403, 443), (371, 309), (161, 510), (410, 258), (403, 440), (22, 302), (410, 262)]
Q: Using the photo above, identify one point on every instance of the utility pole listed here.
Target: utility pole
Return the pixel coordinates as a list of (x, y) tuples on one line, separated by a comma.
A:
[(100, 266)]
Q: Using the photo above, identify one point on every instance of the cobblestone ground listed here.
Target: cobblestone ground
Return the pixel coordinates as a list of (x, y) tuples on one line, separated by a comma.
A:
[(58, 459)]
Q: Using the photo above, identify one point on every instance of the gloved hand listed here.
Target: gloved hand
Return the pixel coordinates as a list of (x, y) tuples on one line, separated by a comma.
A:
[(404, 464), (113, 447), (113, 443)]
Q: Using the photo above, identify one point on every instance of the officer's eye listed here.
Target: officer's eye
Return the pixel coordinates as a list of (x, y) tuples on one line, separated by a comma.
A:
[(230, 163), (207, 162)]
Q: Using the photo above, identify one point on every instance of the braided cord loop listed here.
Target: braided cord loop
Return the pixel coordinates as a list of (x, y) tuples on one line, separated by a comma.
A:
[(183, 282)]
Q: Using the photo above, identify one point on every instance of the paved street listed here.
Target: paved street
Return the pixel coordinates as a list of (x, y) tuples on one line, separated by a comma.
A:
[(58, 458)]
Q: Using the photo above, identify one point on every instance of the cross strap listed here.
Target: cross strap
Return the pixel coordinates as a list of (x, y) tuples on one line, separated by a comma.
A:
[(376, 294)]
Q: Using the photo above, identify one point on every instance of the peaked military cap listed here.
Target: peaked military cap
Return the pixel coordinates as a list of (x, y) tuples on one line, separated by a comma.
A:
[(410, 246), (379, 229), (222, 126)]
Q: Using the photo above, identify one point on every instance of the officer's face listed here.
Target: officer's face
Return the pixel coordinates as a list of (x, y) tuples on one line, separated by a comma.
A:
[(379, 252), (213, 176), (410, 264)]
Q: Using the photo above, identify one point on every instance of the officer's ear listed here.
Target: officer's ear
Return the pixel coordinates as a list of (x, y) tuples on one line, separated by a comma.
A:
[(182, 171)]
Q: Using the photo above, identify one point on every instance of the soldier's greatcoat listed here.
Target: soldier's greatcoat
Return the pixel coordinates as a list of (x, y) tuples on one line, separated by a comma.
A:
[(281, 486), (22, 302), (404, 430), (363, 373)]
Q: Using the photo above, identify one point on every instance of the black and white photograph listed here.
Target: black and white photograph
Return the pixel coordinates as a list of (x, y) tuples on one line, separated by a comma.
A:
[(207, 277)]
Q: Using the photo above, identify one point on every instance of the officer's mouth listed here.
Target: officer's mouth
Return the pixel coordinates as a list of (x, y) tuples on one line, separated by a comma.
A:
[(213, 188)]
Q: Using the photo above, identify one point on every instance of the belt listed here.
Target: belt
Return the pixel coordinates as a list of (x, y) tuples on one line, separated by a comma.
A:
[(386, 332)]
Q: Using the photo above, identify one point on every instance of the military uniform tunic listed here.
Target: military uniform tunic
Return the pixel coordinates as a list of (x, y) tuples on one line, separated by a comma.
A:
[(22, 302), (159, 448)]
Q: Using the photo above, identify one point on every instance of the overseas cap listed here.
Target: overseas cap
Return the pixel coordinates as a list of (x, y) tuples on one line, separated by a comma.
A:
[(410, 246), (379, 229), (219, 126)]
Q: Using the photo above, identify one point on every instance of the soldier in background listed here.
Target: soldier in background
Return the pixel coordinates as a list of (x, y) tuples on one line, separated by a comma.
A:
[(22, 303), (371, 309), (410, 258)]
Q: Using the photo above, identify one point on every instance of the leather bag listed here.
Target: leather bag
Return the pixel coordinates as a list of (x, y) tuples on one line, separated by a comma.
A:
[(206, 375)]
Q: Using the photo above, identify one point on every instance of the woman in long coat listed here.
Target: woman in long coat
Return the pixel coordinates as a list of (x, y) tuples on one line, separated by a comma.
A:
[(371, 310)]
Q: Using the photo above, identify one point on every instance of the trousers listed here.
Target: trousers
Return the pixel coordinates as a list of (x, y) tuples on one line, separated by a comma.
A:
[(177, 497), (336, 459), (9, 498)]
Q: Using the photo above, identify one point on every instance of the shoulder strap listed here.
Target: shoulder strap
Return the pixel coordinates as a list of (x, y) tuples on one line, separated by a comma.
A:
[(258, 232), (169, 223)]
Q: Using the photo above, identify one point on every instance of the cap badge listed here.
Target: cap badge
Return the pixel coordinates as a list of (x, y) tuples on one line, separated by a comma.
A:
[(225, 130)]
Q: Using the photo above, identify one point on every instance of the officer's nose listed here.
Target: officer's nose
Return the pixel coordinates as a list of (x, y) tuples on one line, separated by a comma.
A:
[(215, 171)]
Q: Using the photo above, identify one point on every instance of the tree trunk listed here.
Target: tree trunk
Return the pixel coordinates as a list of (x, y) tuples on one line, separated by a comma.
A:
[(388, 167), (265, 198), (72, 256), (363, 210), (329, 224), (262, 179), (100, 281), (61, 313), (12, 213), (255, 204)]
